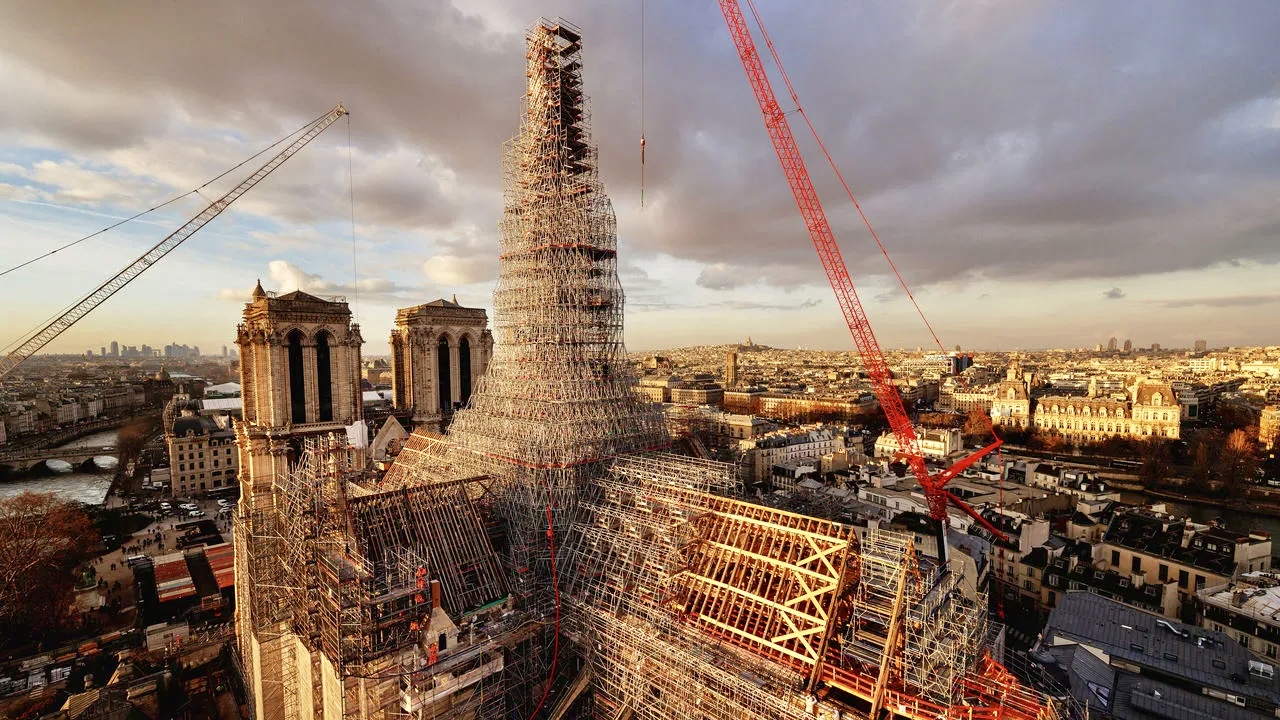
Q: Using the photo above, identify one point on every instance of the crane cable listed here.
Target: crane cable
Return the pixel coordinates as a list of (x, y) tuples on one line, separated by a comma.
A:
[(795, 98), (170, 201), (642, 86), (351, 191)]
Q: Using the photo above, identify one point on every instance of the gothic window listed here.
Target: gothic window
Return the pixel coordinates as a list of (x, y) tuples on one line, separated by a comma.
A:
[(324, 377), (464, 370), (442, 370), (297, 382)]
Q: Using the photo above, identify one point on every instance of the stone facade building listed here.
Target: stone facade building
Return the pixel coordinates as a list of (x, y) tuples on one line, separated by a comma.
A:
[(1011, 405), (1269, 427), (202, 450), (439, 351), (299, 377), (1150, 410)]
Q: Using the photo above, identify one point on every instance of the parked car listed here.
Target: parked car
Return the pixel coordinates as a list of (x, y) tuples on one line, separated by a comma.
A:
[(223, 502), (195, 513), (189, 506)]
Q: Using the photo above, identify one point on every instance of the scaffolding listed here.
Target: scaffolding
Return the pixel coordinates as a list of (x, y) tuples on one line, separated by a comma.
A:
[(548, 558)]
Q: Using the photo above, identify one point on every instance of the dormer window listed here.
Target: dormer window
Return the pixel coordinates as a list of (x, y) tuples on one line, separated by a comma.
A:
[(1157, 399)]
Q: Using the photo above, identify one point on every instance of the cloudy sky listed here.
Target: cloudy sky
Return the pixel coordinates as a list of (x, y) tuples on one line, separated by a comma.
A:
[(1045, 174)]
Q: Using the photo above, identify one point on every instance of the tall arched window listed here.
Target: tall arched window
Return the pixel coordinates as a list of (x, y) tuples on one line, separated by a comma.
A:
[(324, 377), (297, 382), (464, 370), (442, 369)]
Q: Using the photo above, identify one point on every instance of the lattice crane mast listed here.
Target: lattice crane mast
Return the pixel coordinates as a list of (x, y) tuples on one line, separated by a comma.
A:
[(152, 256), (824, 241)]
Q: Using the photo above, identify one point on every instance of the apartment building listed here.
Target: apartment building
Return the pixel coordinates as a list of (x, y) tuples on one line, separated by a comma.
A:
[(1247, 610)]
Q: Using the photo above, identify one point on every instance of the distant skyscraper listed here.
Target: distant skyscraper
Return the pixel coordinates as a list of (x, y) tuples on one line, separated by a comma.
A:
[(1112, 344), (1155, 347), (1201, 346), (1128, 346), (730, 369), (1097, 348), (224, 351), (103, 351), (115, 349)]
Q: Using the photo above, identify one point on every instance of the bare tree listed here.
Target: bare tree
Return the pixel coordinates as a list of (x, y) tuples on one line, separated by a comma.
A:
[(42, 540)]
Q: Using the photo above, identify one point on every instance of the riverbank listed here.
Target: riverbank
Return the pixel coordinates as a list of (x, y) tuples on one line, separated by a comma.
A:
[(1261, 508), (62, 436)]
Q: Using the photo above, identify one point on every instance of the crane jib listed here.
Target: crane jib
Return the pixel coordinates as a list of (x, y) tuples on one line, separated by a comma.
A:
[(104, 291)]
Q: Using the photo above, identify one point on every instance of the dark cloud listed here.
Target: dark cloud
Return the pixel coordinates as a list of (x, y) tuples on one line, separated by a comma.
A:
[(1029, 140), (1114, 293)]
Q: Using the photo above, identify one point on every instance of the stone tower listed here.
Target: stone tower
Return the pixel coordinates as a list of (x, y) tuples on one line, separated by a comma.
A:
[(439, 351), (299, 376)]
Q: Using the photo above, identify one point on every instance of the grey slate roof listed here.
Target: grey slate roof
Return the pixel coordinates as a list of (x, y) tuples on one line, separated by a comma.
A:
[(1180, 652)]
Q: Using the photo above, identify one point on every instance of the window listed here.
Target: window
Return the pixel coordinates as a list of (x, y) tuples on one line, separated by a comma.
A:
[(1053, 598), (1164, 572), (1199, 582), (443, 375), (464, 369), (324, 377), (1137, 564), (1115, 558), (1183, 579), (297, 380)]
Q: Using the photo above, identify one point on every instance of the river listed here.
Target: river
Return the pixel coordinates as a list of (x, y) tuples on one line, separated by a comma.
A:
[(86, 487), (1233, 519)]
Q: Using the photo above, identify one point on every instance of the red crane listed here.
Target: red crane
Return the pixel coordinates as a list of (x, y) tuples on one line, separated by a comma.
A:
[(824, 241)]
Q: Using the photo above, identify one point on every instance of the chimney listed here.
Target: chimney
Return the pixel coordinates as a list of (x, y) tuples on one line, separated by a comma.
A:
[(435, 594)]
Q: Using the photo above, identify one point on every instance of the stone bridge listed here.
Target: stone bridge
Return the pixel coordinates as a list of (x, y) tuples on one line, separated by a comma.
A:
[(25, 460)]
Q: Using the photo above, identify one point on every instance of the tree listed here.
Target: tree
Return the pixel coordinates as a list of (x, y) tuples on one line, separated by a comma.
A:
[(1155, 462), (1237, 463), (42, 540), (977, 426)]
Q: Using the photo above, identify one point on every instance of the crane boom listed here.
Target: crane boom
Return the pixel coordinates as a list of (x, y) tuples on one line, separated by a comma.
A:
[(152, 256), (824, 241)]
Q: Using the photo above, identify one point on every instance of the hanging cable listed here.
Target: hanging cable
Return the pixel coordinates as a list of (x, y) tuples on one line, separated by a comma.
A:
[(170, 201), (351, 191), (642, 84), (871, 229), (555, 587)]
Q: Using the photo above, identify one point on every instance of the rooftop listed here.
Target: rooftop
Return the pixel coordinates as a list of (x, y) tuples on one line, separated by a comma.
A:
[(1159, 647)]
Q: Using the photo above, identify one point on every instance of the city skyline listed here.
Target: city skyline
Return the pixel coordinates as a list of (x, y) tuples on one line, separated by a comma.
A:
[(1046, 195)]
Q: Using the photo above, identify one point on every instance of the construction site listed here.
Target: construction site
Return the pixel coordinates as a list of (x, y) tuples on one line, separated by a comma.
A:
[(550, 556)]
